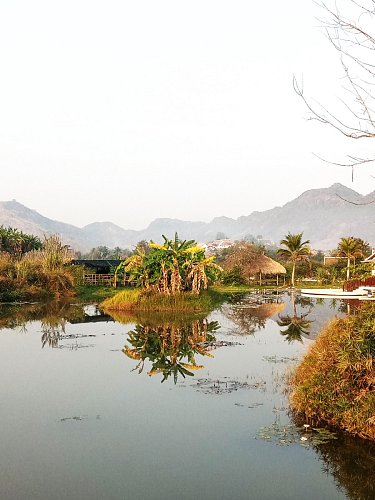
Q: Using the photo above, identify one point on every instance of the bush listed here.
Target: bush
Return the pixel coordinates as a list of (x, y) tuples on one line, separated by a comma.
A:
[(335, 382)]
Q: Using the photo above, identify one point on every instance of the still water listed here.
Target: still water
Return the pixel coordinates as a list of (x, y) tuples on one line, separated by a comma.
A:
[(155, 407)]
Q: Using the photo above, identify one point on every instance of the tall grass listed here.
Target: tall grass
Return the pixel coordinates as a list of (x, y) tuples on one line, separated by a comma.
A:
[(36, 274), (139, 300), (335, 382)]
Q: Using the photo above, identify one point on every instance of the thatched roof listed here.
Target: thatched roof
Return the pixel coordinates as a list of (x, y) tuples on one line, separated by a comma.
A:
[(265, 311), (265, 265)]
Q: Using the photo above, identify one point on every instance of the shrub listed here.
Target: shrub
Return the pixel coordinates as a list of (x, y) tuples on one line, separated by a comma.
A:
[(335, 382)]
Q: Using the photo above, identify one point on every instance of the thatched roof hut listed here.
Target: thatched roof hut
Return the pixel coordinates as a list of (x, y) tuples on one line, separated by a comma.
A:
[(251, 263), (262, 264)]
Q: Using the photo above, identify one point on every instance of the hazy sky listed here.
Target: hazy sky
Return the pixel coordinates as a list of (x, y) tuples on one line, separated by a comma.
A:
[(131, 110)]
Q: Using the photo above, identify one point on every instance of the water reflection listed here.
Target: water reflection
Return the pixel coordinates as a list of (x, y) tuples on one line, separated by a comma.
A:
[(52, 314), (171, 348), (53, 317), (248, 378), (351, 462), (296, 325), (250, 313)]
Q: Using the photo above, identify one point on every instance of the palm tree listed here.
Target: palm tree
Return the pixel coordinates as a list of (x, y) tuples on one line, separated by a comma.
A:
[(350, 248), (295, 250)]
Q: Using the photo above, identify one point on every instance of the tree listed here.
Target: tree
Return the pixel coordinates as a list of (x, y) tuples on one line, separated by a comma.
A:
[(16, 242), (239, 259), (294, 250), (350, 248), (173, 267), (350, 27)]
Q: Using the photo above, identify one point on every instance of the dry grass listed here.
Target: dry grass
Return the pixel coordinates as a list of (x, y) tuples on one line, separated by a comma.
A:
[(36, 274), (335, 382), (139, 300)]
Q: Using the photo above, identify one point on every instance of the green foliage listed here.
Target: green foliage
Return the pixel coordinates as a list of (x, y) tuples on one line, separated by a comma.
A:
[(351, 248), (170, 268), (90, 294), (103, 252), (37, 273), (293, 249), (17, 243), (233, 277), (171, 347)]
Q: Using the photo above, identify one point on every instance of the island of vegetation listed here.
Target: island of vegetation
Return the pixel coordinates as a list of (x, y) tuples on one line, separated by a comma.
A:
[(168, 277)]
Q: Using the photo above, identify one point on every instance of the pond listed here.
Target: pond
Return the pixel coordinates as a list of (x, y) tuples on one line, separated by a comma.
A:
[(157, 407)]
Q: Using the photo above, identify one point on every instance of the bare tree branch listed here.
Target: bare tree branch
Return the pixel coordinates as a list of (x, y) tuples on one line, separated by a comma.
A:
[(349, 25)]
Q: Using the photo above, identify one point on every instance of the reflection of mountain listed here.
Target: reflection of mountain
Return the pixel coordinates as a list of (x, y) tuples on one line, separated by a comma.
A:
[(171, 347)]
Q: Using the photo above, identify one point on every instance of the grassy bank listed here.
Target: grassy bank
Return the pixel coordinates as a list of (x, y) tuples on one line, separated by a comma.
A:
[(335, 382), (94, 293), (136, 299)]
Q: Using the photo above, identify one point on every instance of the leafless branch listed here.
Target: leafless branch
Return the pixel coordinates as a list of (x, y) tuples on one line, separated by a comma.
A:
[(352, 34), (355, 203)]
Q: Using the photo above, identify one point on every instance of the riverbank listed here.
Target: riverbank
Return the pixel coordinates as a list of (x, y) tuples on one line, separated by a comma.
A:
[(335, 382)]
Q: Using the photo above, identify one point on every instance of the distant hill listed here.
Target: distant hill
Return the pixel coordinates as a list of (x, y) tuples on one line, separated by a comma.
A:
[(324, 215)]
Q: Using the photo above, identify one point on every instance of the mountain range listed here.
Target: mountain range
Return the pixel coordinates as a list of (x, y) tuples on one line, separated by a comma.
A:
[(323, 215)]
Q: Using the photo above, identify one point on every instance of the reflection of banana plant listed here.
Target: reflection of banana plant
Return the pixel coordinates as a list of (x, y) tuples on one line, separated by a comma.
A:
[(171, 347), (52, 328)]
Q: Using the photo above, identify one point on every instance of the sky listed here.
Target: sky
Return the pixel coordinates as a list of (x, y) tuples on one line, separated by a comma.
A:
[(126, 111)]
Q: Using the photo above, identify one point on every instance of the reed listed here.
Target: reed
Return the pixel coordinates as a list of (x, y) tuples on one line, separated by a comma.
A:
[(335, 382)]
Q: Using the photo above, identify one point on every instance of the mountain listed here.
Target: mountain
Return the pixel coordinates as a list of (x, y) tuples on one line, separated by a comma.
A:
[(324, 215), (16, 215)]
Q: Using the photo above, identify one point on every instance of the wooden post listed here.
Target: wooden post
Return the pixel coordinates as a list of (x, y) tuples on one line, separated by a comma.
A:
[(277, 280)]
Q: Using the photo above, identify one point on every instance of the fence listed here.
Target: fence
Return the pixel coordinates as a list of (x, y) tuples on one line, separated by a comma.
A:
[(99, 279), (351, 285)]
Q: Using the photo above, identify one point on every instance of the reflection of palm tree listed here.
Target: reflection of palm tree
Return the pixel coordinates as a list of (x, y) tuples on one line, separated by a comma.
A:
[(171, 347), (296, 325)]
